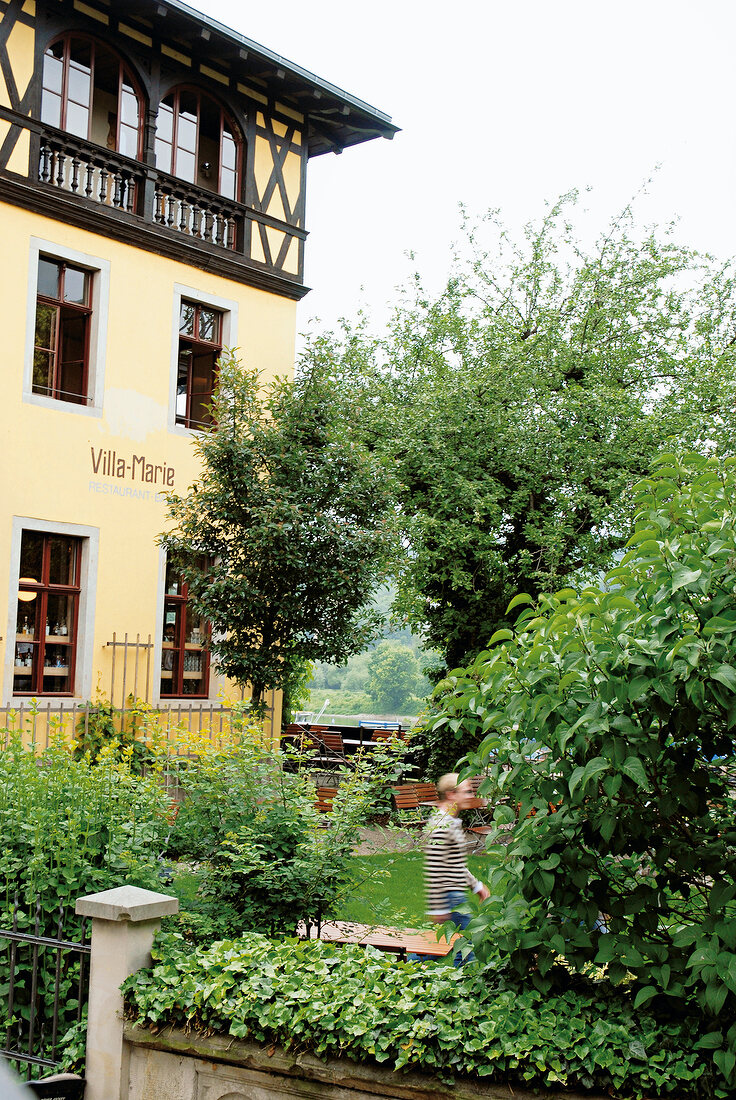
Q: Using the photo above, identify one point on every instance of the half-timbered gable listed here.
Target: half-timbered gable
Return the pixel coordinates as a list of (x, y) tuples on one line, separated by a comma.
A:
[(186, 138)]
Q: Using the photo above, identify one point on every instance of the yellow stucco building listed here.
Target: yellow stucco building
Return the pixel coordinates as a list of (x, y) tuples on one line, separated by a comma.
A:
[(153, 171)]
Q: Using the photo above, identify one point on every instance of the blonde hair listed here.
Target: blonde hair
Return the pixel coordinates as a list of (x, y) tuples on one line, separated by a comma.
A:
[(446, 784)]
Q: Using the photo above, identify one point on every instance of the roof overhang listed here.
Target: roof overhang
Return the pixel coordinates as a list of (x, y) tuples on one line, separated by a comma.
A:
[(336, 119)]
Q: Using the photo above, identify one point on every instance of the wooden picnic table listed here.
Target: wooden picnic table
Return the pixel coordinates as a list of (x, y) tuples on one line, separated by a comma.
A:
[(397, 941)]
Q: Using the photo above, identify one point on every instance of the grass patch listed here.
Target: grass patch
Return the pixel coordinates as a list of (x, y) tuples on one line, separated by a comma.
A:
[(391, 889), (185, 884)]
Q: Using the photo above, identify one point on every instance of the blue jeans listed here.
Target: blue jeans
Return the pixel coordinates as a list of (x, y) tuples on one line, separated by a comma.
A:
[(456, 898), (460, 920)]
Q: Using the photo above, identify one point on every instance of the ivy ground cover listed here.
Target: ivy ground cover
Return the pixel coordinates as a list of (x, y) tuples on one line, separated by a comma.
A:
[(366, 1006)]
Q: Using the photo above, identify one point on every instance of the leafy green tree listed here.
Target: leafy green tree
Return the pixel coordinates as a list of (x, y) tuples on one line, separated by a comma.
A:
[(296, 690), (393, 676), (518, 405), (356, 673), (610, 721), (283, 536)]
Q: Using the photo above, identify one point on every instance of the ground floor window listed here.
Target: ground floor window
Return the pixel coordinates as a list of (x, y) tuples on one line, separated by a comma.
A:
[(47, 615), (185, 663)]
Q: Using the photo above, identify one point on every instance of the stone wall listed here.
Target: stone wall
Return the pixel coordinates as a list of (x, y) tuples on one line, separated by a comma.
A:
[(175, 1066)]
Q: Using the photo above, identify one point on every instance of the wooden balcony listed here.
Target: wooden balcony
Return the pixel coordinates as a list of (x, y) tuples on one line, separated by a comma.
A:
[(77, 182), (88, 171)]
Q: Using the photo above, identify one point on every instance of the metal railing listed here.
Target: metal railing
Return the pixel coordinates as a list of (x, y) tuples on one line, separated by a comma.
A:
[(127, 663), (38, 723), (47, 980)]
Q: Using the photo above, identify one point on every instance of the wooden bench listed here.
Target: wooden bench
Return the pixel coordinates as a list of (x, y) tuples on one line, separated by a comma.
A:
[(394, 940)]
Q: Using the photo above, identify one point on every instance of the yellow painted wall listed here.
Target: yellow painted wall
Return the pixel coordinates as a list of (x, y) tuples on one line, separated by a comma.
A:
[(292, 177), (47, 466), (20, 54), (263, 168)]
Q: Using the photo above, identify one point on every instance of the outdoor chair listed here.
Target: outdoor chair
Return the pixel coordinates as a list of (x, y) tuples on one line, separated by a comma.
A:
[(325, 798), (407, 805), (294, 734), (327, 750), (427, 794), (388, 735), (333, 742)]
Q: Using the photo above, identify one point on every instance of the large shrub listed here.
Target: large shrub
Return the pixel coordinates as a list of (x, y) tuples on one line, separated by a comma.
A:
[(267, 858), (610, 719), (68, 828), (366, 1006)]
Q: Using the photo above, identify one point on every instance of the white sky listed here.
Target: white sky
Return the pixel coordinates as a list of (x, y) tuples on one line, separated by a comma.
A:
[(504, 103)]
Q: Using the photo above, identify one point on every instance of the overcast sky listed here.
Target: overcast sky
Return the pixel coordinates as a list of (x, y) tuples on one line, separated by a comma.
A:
[(505, 103)]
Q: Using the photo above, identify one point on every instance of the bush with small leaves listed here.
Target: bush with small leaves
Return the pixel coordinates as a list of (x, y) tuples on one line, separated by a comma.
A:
[(610, 722)]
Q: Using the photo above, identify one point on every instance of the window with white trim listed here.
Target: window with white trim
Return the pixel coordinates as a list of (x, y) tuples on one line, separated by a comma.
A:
[(66, 338), (47, 615)]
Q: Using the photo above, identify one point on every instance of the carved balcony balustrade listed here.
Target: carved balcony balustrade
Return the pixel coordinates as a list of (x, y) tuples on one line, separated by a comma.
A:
[(196, 212), (89, 171), (96, 188)]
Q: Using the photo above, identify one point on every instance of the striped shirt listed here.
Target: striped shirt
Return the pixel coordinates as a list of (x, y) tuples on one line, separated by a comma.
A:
[(444, 861)]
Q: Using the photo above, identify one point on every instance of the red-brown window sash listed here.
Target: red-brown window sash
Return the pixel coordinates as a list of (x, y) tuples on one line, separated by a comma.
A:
[(177, 648), (38, 611), (226, 122), (125, 75), (194, 345), (64, 313)]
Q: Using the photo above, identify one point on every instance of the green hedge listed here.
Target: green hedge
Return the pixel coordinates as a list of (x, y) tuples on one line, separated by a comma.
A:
[(431, 1018)]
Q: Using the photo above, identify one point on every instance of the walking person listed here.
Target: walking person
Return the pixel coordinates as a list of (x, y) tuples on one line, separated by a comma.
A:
[(449, 882)]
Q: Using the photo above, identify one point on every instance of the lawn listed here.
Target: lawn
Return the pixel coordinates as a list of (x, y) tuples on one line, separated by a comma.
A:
[(389, 890)]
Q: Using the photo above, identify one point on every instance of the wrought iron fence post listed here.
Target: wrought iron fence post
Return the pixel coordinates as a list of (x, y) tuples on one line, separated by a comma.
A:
[(124, 922)]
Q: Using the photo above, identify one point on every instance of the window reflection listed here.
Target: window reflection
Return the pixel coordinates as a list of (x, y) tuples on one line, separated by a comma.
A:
[(196, 141), (88, 91)]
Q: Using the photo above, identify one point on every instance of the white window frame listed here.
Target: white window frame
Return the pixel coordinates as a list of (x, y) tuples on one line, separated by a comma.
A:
[(229, 310), (90, 547), (100, 300)]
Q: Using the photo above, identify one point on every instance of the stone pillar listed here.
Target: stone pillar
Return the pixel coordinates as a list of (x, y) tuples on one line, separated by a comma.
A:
[(124, 922)]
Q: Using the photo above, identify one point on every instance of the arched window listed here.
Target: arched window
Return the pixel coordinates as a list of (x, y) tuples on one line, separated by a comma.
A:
[(90, 92), (197, 141)]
